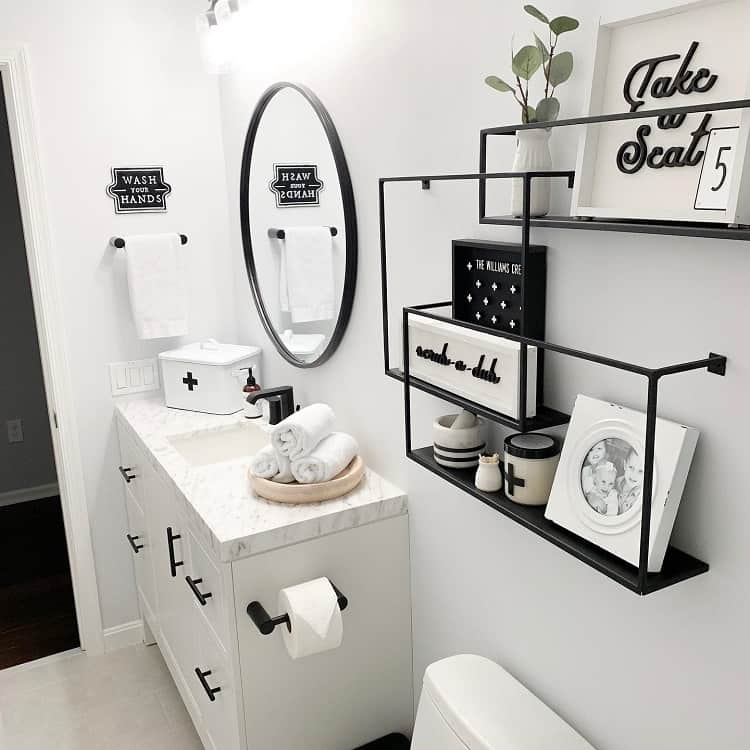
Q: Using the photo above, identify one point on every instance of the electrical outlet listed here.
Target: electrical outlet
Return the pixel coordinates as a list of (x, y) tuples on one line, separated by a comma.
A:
[(15, 430)]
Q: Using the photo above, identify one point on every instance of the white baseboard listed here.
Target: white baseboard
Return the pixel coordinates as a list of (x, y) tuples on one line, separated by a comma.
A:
[(120, 636), (41, 492)]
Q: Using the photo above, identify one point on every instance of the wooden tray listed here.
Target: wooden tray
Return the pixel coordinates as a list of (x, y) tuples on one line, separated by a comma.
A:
[(297, 494)]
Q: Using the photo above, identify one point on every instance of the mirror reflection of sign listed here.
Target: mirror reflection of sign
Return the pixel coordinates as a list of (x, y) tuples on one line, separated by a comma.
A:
[(296, 185), (633, 155), (139, 189)]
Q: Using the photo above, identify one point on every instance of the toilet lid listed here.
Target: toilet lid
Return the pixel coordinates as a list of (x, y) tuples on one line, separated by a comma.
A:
[(488, 709)]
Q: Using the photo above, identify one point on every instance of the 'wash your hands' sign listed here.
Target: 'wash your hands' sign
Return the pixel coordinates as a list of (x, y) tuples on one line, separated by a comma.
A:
[(679, 167)]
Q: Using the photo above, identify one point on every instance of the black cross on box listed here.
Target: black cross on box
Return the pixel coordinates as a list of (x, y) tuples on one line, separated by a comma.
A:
[(190, 381)]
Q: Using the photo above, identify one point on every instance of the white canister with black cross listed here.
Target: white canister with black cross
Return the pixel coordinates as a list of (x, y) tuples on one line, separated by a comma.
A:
[(530, 464)]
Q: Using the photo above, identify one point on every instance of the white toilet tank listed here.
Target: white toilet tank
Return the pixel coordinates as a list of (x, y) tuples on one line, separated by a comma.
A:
[(471, 703)]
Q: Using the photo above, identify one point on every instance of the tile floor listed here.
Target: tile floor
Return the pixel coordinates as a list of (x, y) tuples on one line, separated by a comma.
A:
[(124, 699)]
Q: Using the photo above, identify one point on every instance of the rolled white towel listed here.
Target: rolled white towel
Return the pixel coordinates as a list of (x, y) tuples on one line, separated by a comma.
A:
[(299, 433), (331, 457), (266, 463)]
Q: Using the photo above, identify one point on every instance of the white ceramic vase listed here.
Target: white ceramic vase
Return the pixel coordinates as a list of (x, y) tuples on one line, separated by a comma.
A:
[(532, 155), (488, 477)]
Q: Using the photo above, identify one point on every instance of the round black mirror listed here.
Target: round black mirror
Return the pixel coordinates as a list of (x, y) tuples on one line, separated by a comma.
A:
[(299, 225)]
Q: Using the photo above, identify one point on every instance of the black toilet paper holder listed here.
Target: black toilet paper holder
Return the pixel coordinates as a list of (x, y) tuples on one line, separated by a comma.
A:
[(266, 624)]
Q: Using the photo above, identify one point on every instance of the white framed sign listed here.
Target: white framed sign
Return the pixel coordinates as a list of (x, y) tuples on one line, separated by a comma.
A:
[(679, 168)]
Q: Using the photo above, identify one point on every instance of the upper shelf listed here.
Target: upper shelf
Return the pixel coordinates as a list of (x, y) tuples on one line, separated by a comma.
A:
[(618, 116), (676, 229)]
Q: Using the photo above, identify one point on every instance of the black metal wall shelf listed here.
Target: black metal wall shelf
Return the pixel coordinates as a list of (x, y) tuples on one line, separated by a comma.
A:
[(678, 566), (674, 228)]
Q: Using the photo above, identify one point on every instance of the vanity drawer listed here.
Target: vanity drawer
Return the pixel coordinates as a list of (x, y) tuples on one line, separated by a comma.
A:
[(212, 687), (207, 590), (139, 543)]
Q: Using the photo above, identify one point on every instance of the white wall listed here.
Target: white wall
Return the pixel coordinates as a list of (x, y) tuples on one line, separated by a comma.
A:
[(29, 463), (403, 83), (121, 84)]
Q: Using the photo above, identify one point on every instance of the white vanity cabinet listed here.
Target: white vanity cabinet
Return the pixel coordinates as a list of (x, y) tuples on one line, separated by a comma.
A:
[(196, 578)]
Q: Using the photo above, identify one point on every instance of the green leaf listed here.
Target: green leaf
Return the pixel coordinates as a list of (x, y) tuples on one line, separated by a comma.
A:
[(498, 84), (529, 114), (560, 68), (526, 62), (548, 109), (542, 47), (561, 24), (532, 11)]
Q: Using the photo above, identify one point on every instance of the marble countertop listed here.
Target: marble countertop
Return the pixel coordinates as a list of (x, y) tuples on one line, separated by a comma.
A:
[(219, 502)]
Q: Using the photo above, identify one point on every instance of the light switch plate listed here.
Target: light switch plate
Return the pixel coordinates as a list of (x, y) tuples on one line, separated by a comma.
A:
[(136, 376)]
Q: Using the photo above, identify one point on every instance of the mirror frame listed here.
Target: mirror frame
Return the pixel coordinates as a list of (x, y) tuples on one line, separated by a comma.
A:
[(350, 222)]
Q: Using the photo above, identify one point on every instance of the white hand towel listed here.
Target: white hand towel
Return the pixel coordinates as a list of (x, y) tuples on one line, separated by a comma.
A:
[(299, 433), (266, 463), (157, 284), (306, 274), (330, 458)]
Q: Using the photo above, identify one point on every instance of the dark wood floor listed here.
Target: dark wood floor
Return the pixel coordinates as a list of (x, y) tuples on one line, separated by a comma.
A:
[(37, 611)]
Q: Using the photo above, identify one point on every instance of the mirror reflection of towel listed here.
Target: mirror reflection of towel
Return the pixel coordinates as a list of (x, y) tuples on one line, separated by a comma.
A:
[(306, 274)]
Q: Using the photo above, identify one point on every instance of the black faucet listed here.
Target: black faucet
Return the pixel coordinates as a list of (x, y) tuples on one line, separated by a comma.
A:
[(280, 402)]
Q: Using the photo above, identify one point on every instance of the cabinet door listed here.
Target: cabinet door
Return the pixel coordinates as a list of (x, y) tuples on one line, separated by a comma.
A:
[(168, 534)]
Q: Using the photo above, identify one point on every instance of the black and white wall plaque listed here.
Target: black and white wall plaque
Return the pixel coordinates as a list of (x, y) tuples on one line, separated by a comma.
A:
[(139, 190), (296, 185), (684, 166)]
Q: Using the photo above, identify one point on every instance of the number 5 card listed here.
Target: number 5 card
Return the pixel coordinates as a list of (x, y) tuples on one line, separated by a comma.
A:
[(716, 171)]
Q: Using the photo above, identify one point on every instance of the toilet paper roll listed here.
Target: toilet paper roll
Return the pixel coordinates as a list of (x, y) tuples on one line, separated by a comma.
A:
[(314, 616)]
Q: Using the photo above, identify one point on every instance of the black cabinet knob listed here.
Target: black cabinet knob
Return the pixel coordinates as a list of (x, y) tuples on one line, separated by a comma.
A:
[(173, 563), (126, 475), (136, 547)]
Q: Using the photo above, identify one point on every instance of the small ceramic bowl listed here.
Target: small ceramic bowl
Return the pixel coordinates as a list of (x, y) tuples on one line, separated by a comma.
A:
[(460, 448)]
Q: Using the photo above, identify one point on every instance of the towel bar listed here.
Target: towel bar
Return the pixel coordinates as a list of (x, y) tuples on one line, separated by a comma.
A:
[(119, 242), (280, 234), (266, 624)]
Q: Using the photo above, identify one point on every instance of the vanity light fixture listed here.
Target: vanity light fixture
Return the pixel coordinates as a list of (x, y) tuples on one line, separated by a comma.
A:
[(217, 33)]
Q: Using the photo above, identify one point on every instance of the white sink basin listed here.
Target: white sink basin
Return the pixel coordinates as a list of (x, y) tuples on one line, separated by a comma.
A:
[(216, 446)]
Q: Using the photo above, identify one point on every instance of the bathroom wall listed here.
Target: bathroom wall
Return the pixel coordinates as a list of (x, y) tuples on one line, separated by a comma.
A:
[(122, 84), (403, 83), (30, 463)]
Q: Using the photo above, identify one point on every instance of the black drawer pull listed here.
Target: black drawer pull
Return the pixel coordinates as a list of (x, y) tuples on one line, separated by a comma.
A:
[(266, 624), (210, 692), (125, 475), (193, 583), (136, 547), (173, 564)]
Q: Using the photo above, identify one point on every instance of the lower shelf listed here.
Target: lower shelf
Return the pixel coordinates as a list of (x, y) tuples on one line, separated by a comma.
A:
[(678, 566)]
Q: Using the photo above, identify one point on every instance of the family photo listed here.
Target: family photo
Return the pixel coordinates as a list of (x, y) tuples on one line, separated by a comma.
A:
[(612, 477)]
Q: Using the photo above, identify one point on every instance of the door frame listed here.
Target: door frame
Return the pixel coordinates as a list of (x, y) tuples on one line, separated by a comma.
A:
[(16, 81)]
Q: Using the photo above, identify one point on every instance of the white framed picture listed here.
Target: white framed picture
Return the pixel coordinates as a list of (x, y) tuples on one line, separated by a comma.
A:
[(598, 488), (682, 168)]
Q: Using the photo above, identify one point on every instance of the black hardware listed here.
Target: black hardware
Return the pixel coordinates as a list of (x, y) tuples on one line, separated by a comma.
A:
[(119, 242), (390, 742), (136, 547), (266, 624), (280, 402), (280, 234), (426, 185), (210, 692), (350, 223), (193, 583), (173, 564), (125, 475), (677, 565)]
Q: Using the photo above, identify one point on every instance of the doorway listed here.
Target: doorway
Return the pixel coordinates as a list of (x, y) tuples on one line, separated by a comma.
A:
[(37, 604)]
